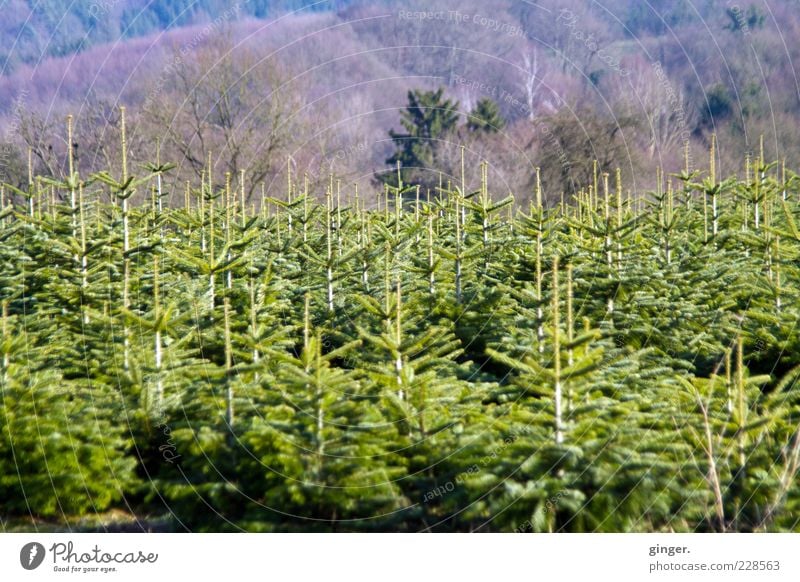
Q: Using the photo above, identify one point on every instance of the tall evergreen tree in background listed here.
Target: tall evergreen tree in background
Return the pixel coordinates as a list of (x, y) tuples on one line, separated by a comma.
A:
[(427, 120), (486, 117)]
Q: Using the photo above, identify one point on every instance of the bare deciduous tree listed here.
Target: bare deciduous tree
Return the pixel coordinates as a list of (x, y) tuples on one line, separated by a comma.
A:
[(533, 79), (648, 94), (230, 103)]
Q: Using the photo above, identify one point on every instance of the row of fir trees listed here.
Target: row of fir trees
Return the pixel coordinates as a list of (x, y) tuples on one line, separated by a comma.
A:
[(398, 362)]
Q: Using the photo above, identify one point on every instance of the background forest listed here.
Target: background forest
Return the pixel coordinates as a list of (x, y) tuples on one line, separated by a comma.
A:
[(254, 83)]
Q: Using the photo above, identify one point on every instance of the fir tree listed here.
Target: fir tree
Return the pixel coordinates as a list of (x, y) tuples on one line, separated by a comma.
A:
[(486, 117), (427, 119)]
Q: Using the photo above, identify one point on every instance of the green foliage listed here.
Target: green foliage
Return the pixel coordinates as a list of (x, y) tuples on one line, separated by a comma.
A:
[(63, 452), (451, 364), (718, 105), (744, 22), (427, 119), (486, 117), (316, 451)]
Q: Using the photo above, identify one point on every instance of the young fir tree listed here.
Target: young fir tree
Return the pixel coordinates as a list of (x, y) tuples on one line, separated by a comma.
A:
[(315, 457), (62, 447)]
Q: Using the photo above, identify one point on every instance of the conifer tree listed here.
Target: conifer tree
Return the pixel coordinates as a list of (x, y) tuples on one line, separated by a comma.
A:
[(486, 117), (427, 118)]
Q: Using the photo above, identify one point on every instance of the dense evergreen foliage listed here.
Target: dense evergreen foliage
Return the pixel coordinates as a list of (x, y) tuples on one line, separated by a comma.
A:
[(428, 119), (452, 364), (486, 117)]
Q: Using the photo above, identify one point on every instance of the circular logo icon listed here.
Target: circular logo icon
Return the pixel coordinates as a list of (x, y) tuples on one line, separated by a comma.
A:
[(31, 555)]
